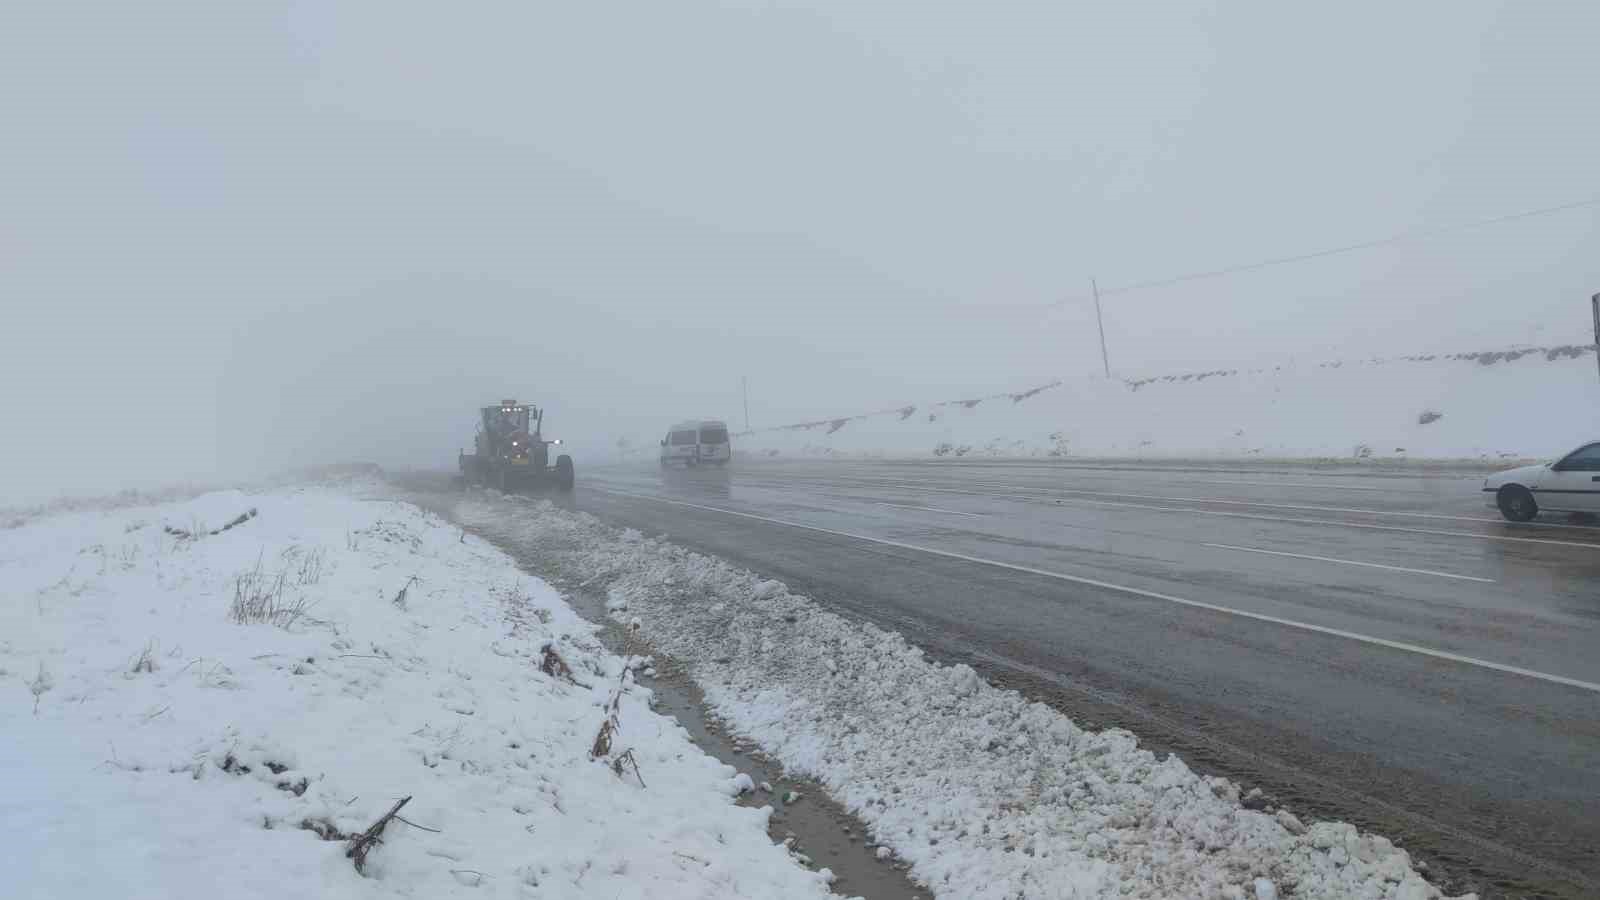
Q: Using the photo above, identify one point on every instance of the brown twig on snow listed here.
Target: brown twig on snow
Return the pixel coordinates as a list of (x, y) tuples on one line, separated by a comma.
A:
[(612, 724), (602, 741), (400, 598), (626, 756), (553, 665), (363, 843)]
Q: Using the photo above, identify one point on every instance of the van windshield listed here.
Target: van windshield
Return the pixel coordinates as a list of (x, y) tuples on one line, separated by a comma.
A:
[(680, 438), (713, 435)]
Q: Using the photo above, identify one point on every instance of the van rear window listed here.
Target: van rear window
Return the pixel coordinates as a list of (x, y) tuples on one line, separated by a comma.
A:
[(681, 438), (713, 435)]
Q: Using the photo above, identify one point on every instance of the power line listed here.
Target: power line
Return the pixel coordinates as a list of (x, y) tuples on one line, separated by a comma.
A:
[(1414, 234)]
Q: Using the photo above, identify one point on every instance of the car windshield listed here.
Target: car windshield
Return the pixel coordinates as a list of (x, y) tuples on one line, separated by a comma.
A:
[(681, 438), (713, 435), (1584, 460)]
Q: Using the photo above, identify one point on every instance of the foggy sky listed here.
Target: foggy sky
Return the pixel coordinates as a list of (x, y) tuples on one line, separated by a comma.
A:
[(235, 236)]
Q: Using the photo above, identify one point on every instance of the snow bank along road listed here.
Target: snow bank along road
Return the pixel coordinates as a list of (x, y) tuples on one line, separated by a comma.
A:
[(1367, 646), (151, 745)]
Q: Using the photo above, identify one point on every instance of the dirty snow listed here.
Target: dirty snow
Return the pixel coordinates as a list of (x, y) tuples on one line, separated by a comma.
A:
[(986, 795), (153, 748)]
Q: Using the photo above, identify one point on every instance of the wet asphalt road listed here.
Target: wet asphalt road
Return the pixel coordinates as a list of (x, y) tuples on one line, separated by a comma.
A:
[(1348, 640)]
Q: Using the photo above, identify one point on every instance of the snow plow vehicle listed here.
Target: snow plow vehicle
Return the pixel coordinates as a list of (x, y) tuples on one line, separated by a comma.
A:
[(510, 455)]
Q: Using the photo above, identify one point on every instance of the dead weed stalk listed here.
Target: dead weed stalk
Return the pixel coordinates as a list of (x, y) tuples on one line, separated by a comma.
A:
[(363, 843), (400, 598), (146, 661), (258, 598)]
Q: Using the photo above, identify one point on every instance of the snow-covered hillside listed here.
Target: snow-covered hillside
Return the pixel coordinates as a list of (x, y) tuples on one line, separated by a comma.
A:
[(1523, 403), (216, 697)]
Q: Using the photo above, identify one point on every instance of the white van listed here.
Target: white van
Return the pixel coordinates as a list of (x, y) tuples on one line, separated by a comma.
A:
[(694, 443)]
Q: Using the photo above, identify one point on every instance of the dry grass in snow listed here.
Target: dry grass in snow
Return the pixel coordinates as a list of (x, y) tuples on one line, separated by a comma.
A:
[(250, 713)]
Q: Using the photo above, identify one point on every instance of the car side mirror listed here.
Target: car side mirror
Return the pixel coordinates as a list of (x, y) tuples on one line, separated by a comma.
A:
[(663, 442)]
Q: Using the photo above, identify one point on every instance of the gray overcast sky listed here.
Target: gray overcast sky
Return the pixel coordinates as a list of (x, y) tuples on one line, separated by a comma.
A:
[(235, 235)]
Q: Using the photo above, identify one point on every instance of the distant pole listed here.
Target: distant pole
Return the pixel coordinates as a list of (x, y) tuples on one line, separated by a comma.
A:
[(744, 385), (1100, 321), (1594, 303)]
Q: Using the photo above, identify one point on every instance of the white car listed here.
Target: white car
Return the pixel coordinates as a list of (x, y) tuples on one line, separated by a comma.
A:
[(1570, 484)]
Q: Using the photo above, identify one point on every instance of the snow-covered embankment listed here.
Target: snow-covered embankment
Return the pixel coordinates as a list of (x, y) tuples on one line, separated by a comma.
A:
[(1493, 405), (197, 710)]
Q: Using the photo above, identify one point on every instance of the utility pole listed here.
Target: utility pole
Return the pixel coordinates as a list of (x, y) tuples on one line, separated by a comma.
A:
[(1594, 303), (744, 385), (1099, 320)]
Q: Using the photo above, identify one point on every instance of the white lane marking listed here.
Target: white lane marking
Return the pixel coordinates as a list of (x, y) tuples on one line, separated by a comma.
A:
[(1152, 468), (948, 512), (1366, 525), (1294, 484), (1140, 592), (1036, 491), (1314, 508), (1349, 562), (1258, 516), (1297, 484)]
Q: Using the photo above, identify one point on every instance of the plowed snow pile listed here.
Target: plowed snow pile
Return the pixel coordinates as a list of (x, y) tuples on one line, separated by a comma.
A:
[(987, 795), (152, 744)]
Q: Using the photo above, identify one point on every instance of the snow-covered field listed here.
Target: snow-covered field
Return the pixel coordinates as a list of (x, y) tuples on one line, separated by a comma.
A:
[(151, 745), (986, 795), (1494, 405)]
